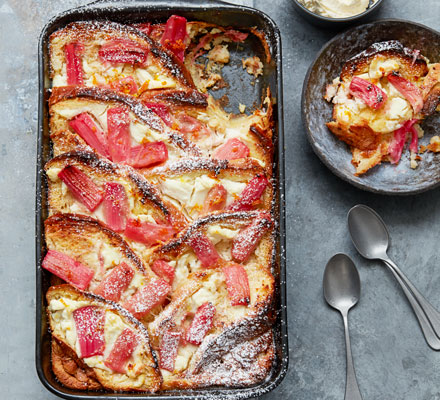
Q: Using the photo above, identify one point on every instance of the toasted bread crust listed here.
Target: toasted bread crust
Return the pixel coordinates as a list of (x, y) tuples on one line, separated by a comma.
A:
[(70, 370), (176, 98), (413, 64), (361, 137)]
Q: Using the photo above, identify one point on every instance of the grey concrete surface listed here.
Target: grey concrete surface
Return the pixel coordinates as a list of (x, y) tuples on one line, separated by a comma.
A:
[(391, 357)]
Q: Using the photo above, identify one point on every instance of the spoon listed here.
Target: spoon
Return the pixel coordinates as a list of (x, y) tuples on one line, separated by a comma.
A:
[(370, 237), (342, 289)]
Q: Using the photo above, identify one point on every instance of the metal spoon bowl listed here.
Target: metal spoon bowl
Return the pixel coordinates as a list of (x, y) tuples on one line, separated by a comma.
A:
[(369, 235), (342, 290)]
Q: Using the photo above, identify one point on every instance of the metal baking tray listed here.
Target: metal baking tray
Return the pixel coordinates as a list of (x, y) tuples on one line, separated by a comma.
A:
[(224, 14)]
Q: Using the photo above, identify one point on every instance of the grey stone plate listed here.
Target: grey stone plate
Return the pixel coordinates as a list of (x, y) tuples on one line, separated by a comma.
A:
[(335, 154)]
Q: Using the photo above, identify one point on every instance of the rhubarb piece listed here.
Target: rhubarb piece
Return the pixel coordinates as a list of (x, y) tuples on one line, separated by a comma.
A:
[(123, 51), (89, 322), (237, 284), (169, 345), (84, 125), (247, 240), (162, 111), (115, 206), (145, 299), (68, 269), (119, 141), (251, 194), (148, 154), (116, 282), (215, 199), (191, 125), (164, 270), (201, 323), (408, 90), (414, 145), (236, 36), (204, 250), (125, 85), (122, 350), (231, 150), (395, 148), (82, 187), (72, 53), (174, 36), (368, 92), (148, 233)]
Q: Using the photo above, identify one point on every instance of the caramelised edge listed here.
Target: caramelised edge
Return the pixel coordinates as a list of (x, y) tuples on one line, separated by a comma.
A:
[(145, 114), (246, 329), (68, 290), (80, 223), (149, 192), (209, 166), (393, 48), (85, 29), (70, 370), (245, 364), (176, 245), (176, 98)]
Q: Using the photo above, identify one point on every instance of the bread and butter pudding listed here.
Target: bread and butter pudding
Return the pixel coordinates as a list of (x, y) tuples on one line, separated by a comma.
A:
[(160, 234), (380, 99)]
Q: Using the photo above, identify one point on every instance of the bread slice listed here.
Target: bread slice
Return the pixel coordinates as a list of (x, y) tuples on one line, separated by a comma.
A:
[(186, 184), (370, 131), (182, 139), (145, 126), (145, 203), (87, 241), (161, 69), (194, 285), (141, 372)]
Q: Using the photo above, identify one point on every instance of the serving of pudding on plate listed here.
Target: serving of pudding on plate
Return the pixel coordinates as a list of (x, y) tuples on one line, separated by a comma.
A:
[(380, 99)]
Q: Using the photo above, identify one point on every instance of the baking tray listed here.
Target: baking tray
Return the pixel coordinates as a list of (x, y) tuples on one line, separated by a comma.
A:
[(220, 13)]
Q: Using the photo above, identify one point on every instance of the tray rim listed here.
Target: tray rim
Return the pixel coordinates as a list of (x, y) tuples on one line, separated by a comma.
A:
[(279, 172)]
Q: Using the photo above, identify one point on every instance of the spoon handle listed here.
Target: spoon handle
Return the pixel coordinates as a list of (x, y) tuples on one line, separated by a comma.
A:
[(431, 313), (351, 387), (430, 336)]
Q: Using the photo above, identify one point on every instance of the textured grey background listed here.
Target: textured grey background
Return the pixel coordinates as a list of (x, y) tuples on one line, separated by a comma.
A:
[(391, 357)]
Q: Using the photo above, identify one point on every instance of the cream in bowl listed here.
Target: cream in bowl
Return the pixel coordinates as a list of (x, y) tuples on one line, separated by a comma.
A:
[(337, 8)]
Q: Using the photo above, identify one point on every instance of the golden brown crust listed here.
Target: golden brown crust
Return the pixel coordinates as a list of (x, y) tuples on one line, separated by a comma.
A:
[(70, 370), (410, 60), (358, 136), (176, 98)]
